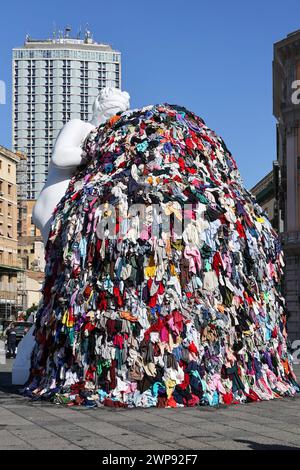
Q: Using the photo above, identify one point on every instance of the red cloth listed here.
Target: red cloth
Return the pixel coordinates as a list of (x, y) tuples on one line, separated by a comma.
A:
[(178, 320), (252, 396), (102, 302), (90, 373), (240, 229), (118, 341), (217, 262), (194, 401), (192, 348), (118, 297), (185, 383), (114, 404), (171, 402), (227, 398), (88, 326), (157, 326), (113, 379)]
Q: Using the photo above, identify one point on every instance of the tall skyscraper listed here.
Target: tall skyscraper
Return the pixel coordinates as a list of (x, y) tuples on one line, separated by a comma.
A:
[(55, 80)]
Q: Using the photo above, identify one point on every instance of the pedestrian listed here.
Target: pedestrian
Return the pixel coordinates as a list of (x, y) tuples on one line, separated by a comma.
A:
[(11, 340)]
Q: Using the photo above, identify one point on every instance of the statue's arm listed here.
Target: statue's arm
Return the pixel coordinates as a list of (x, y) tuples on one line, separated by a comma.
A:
[(67, 151)]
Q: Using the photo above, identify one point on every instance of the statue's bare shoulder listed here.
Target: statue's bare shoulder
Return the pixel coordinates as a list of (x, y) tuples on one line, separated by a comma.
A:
[(74, 130), (67, 148)]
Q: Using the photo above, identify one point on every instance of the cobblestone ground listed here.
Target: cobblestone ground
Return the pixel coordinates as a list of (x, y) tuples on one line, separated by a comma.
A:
[(265, 425)]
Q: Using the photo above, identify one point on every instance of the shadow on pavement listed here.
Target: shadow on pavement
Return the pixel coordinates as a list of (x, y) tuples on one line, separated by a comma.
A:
[(258, 446), (6, 385)]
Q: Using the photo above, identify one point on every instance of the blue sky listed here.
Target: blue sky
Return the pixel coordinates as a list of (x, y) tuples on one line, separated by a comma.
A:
[(213, 57)]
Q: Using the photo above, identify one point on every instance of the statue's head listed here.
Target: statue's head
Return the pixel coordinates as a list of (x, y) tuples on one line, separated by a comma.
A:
[(109, 102)]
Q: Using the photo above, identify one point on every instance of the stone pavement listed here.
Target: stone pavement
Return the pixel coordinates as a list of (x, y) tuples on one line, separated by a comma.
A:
[(265, 425)]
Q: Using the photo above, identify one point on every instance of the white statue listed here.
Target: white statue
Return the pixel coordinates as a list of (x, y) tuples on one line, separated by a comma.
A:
[(66, 156)]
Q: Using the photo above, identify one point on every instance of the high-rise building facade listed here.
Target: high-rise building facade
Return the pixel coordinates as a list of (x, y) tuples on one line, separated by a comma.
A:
[(55, 80)]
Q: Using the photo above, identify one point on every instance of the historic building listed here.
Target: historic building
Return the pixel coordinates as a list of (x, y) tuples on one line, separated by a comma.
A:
[(10, 269), (286, 109)]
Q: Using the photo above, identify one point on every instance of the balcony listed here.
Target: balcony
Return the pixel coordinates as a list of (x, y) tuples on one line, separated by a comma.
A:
[(8, 295)]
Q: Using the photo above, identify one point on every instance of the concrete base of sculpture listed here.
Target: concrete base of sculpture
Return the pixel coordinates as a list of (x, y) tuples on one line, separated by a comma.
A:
[(21, 366)]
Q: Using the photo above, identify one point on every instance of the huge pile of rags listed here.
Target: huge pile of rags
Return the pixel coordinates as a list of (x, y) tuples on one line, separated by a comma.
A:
[(163, 281)]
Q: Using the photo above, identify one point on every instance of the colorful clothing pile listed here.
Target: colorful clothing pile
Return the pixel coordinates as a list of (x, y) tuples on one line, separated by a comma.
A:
[(136, 314)]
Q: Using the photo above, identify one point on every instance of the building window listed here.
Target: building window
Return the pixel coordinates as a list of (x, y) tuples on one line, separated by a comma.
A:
[(9, 168), (11, 283), (9, 210), (9, 189)]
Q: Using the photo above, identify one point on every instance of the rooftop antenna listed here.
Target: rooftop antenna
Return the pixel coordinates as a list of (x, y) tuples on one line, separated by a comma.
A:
[(67, 31), (79, 33), (54, 30), (87, 33)]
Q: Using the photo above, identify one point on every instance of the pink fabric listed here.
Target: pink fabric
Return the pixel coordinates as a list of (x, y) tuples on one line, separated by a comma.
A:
[(194, 257), (216, 384), (164, 335)]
